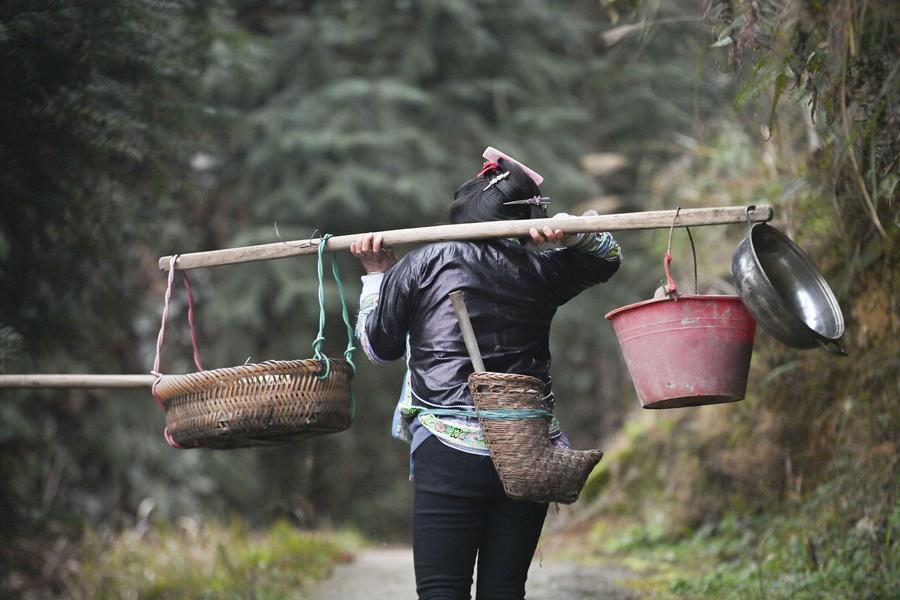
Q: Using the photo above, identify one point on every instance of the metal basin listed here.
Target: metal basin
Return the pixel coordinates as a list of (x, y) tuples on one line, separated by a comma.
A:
[(785, 292)]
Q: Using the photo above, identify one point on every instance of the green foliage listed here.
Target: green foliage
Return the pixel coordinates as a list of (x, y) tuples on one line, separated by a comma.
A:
[(99, 115), (840, 59), (376, 111), (805, 554), (95, 120), (790, 557), (203, 561)]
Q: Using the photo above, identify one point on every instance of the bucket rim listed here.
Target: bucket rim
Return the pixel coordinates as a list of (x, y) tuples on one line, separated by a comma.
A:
[(615, 312)]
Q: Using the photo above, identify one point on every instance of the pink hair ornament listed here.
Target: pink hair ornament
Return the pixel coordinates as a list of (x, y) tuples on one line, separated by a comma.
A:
[(487, 167), (492, 155)]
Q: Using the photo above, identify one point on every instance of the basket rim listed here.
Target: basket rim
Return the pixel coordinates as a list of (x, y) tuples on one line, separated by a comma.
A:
[(171, 386)]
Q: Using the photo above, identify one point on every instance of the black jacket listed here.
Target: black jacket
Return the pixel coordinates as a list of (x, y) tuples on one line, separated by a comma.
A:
[(511, 292)]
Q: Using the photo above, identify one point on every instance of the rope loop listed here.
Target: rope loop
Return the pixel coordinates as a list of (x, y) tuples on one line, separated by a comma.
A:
[(161, 336), (319, 342), (671, 287)]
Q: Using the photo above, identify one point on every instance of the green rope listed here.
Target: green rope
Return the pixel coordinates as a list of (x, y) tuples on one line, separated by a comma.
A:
[(319, 342), (320, 339), (345, 314)]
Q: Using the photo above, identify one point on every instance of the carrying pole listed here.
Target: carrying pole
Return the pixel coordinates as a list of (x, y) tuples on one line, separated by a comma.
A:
[(87, 382), (657, 219)]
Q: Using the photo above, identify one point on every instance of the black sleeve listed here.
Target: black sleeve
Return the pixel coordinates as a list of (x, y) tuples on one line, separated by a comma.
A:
[(569, 271), (388, 324)]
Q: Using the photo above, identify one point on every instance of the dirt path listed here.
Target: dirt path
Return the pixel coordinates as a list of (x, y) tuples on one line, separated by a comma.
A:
[(388, 573)]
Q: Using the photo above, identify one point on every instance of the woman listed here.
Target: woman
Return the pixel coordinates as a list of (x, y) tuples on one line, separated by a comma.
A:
[(512, 291)]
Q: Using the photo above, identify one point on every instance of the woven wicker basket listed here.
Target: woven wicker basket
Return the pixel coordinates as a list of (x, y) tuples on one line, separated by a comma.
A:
[(527, 463), (257, 404), (268, 403)]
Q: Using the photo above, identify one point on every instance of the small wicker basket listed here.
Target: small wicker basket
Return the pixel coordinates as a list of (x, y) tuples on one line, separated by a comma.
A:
[(268, 403), (257, 404), (529, 466)]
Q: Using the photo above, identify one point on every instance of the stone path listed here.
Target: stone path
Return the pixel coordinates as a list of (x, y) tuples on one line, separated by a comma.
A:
[(388, 573)]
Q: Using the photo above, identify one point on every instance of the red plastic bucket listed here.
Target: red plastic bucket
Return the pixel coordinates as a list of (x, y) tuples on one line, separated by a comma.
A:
[(686, 352)]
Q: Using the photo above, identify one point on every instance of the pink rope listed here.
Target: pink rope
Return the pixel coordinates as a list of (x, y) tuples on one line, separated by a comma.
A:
[(190, 294), (162, 333), (671, 289)]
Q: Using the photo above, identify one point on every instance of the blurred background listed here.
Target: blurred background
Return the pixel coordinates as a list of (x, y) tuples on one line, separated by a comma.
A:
[(135, 129)]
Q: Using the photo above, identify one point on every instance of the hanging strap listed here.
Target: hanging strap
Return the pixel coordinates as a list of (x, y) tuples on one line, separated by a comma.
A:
[(671, 288), (319, 342), (162, 332)]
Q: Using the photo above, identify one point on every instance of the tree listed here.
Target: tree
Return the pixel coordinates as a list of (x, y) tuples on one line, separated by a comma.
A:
[(98, 117)]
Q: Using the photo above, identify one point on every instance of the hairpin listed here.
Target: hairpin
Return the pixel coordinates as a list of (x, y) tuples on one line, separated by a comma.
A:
[(496, 179), (541, 201)]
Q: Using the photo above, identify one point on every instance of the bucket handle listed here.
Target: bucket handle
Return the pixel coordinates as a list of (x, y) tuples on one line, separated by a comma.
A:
[(671, 288)]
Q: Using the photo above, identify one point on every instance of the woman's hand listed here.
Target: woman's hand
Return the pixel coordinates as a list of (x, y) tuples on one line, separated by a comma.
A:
[(555, 235), (375, 258), (548, 234)]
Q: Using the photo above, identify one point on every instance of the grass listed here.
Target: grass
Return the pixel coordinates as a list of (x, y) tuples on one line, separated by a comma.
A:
[(791, 556), (209, 561)]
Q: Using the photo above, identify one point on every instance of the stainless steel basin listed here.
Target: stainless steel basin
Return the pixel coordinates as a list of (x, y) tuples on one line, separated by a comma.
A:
[(784, 291)]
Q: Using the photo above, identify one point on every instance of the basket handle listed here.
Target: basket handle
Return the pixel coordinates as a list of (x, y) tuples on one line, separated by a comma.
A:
[(162, 333), (319, 342), (165, 316)]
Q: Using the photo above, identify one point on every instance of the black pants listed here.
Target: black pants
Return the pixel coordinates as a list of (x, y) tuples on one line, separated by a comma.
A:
[(460, 511)]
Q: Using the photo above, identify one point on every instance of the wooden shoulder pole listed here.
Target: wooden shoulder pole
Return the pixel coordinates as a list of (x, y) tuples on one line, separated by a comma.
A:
[(77, 381), (657, 219)]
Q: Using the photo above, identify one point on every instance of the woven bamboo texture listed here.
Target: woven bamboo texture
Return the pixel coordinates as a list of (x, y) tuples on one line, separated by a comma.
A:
[(257, 404), (529, 466)]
